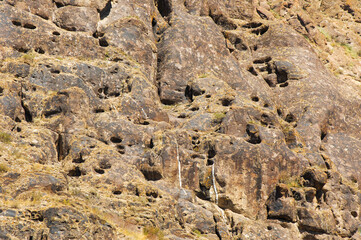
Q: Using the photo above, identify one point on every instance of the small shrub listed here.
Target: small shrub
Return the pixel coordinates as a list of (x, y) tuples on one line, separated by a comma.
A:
[(29, 57), (153, 233), (3, 168), (203, 75), (197, 232), (293, 181), (218, 117), (349, 50), (5, 137), (325, 33)]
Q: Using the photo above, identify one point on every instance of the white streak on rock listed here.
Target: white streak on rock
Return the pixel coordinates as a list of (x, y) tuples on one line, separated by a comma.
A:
[(214, 183)]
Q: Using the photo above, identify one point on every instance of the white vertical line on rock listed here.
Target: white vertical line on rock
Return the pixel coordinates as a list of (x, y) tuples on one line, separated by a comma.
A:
[(214, 183), (179, 165)]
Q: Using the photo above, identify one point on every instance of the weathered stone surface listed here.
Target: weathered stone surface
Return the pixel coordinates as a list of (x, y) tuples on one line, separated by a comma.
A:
[(179, 119), (77, 18), (42, 8)]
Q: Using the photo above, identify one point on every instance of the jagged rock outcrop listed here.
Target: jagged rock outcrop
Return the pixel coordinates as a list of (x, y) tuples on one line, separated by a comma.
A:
[(178, 119)]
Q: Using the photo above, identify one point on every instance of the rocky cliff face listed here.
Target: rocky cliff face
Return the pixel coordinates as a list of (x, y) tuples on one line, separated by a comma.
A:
[(179, 119)]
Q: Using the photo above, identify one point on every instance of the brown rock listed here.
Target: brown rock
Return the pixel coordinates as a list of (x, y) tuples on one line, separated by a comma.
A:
[(77, 18)]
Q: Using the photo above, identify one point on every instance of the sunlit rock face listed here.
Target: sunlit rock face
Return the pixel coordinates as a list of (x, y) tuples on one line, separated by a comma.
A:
[(172, 119)]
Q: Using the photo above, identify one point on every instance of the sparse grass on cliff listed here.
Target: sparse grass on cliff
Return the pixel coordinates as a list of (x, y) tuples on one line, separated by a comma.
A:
[(153, 233), (3, 168), (293, 181), (5, 137)]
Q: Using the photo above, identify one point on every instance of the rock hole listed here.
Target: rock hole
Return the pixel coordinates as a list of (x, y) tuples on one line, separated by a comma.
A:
[(208, 96), (153, 194), (1, 91), (21, 49), (224, 22), (327, 165), (354, 214), (226, 102), (98, 34), (18, 129), (284, 225), (151, 143), (16, 23), (269, 228), (346, 7), (211, 152), (253, 71), (56, 33), (154, 22), (121, 149), (167, 102), (106, 10), (60, 147), (197, 156), (290, 118), (266, 120), (79, 159), (39, 50), (144, 123), (116, 140), (106, 90), (281, 76), (266, 105), (50, 113), (189, 93), (240, 45), (193, 109), (323, 134), (99, 110), (262, 60), (103, 42), (117, 192), (98, 170), (151, 174), (279, 112), (210, 162), (260, 31), (31, 238), (252, 25), (297, 195), (253, 134), (75, 172), (182, 115), (28, 116), (29, 26), (255, 99), (164, 7), (37, 216), (309, 237), (284, 84), (59, 5), (55, 71)]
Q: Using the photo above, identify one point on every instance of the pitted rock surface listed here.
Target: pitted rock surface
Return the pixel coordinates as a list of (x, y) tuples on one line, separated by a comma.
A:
[(169, 119)]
